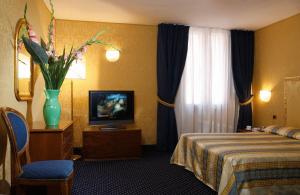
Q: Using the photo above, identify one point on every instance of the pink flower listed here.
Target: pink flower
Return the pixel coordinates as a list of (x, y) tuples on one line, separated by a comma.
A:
[(51, 48), (20, 44), (50, 30), (49, 53), (32, 34), (52, 38), (78, 55), (84, 49)]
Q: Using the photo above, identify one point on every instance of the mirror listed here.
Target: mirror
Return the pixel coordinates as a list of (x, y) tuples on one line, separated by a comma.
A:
[(23, 65)]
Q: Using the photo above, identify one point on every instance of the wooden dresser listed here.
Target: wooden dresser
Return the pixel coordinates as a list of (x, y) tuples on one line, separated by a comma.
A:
[(51, 143), (111, 144)]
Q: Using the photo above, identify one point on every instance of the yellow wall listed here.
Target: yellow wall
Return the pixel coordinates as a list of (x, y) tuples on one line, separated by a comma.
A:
[(135, 70), (10, 12), (277, 55)]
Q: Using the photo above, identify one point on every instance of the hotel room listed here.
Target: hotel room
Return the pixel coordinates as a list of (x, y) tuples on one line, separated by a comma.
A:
[(149, 97)]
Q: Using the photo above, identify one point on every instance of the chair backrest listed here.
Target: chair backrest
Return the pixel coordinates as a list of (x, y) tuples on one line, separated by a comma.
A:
[(4, 185), (3, 145), (16, 127)]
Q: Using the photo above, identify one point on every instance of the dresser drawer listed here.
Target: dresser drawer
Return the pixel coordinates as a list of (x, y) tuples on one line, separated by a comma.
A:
[(51, 143), (118, 144)]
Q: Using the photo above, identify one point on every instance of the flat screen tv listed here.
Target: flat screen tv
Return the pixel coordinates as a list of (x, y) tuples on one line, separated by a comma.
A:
[(111, 108)]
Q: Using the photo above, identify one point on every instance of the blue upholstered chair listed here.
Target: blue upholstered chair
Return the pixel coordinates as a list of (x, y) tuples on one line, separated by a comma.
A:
[(4, 185), (52, 173)]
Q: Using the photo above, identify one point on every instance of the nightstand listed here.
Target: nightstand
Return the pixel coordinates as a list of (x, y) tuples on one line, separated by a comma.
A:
[(51, 143)]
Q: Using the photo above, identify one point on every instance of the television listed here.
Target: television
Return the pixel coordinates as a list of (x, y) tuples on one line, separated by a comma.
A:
[(111, 108)]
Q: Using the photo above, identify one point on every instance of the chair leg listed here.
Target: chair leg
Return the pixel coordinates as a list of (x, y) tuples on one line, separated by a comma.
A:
[(19, 190), (65, 188), (70, 183)]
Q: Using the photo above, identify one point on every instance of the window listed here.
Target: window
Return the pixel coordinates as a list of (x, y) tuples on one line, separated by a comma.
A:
[(206, 100), (207, 65)]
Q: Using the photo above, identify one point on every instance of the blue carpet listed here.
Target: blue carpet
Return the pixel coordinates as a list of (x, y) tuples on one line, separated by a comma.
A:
[(152, 174)]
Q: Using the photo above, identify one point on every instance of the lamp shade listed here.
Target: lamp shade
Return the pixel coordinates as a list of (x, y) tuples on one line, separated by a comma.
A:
[(112, 55), (77, 70), (265, 95)]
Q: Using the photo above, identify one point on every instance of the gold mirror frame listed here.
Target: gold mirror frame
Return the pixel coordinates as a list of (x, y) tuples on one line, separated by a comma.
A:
[(21, 97)]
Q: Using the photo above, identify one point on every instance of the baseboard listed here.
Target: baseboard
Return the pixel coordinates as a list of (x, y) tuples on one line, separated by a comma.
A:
[(153, 147)]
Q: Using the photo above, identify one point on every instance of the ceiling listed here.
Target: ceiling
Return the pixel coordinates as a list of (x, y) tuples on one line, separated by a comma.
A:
[(228, 14)]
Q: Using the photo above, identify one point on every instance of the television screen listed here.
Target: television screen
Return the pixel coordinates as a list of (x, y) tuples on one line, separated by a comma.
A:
[(107, 107)]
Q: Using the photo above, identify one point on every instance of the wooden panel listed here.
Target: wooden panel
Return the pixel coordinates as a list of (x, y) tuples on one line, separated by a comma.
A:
[(291, 101), (112, 144)]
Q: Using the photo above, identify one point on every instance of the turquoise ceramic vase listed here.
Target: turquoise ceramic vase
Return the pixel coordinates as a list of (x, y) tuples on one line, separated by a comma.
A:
[(52, 108)]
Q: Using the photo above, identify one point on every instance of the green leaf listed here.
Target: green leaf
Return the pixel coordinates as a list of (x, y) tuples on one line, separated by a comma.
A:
[(25, 11), (65, 68), (37, 53), (43, 44), (39, 56), (98, 34)]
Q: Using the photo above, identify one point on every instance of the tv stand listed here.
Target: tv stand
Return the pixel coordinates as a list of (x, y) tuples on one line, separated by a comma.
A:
[(111, 127), (108, 128), (106, 143)]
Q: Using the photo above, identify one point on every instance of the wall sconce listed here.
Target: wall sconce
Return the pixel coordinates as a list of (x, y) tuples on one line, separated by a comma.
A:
[(265, 95), (112, 55)]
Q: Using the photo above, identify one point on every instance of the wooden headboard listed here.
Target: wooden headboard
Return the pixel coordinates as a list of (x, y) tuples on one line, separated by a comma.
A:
[(292, 101)]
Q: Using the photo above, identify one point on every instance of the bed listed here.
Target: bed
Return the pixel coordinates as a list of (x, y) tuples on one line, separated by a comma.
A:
[(244, 163)]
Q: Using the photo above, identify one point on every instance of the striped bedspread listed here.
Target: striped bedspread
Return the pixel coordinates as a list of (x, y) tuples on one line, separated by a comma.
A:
[(242, 163)]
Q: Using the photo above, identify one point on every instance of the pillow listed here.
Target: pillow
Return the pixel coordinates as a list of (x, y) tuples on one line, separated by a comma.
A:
[(271, 129), (291, 132)]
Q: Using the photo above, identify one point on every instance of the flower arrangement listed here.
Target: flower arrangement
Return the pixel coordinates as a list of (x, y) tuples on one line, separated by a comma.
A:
[(53, 67)]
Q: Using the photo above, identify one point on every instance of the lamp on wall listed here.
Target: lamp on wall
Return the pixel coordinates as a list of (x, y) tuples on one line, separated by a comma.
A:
[(265, 95), (76, 71), (112, 55)]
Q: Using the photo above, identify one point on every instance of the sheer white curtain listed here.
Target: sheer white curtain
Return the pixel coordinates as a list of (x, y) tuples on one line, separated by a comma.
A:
[(206, 100)]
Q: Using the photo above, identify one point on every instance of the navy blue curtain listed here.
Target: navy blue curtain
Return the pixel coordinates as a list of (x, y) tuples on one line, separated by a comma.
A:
[(172, 44), (242, 51)]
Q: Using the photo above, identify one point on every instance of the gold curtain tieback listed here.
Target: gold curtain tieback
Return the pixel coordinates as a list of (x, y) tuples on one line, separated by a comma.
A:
[(249, 101), (167, 104)]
